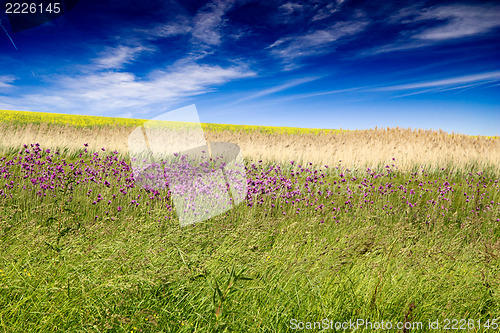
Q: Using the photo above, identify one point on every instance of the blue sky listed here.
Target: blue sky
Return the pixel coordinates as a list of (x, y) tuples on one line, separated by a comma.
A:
[(322, 64)]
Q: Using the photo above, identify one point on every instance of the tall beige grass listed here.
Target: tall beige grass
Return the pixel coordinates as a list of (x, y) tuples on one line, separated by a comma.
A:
[(370, 147), (354, 148)]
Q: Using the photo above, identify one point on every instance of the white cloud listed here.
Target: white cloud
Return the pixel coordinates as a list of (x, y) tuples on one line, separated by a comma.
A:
[(181, 27), (204, 28), (399, 46), (458, 80), (289, 7), (461, 21), (320, 93), (461, 83), (315, 41), (116, 58), (461, 87), (113, 93), (278, 88), (208, 22), (327, 10), (6, 80), (455, 22)]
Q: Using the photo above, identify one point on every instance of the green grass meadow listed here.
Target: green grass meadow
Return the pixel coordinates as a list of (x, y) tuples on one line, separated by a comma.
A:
[(68, 264)]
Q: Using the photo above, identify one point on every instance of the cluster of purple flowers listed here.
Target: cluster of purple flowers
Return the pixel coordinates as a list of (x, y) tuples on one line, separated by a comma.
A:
[(105, 185)]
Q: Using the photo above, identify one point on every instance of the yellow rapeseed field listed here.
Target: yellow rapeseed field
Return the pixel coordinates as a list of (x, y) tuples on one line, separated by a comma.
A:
[(26, 117)]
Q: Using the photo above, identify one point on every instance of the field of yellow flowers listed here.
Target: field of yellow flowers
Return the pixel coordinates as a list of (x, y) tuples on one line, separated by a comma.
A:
[(26, 117)]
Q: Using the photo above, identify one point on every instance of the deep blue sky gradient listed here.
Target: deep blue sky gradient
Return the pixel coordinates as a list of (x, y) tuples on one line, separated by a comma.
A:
[(322, 64)]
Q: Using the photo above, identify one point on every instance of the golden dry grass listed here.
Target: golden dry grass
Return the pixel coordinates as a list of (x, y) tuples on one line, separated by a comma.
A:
[(353, 148), (369, 147)]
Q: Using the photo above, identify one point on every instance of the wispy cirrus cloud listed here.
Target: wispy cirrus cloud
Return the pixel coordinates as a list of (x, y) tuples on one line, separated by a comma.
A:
[(315, 42), (208, 22), (289, 7), (180, 26), (205, 28), (458, 80), (313, 10), (117, 57), (451, 83), (452, 23), (6, 80), (460, 21), (278, 88), (316, 94), (328, 10)]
